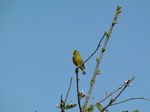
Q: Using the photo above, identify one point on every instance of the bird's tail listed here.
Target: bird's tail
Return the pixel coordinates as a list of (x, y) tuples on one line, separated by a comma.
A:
[(82, 68), (83, 72)]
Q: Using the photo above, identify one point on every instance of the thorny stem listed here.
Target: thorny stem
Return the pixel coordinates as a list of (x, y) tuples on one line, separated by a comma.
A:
[(100, 57)]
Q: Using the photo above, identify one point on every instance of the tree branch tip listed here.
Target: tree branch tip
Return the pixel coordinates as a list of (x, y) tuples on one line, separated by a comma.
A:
[(118, 11), (129, 100), (134, 77), (119, 7)]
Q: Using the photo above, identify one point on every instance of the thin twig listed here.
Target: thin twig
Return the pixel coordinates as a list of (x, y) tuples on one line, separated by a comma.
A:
[(108, 95), (77, 84), (93, 52), (100, 57), (113, 100), (68, 90), (63, 103), (130, 99)]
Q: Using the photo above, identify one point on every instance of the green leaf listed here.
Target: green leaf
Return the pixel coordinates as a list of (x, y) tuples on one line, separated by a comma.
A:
[(69, 106), (90, 109), (99, 107), (136, 111), (125, 111)]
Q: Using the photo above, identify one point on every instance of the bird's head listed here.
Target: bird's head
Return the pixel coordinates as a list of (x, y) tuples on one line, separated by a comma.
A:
[(75, 52)]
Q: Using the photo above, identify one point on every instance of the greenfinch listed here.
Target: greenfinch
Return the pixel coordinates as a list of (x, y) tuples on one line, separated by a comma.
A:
[(77, 60)]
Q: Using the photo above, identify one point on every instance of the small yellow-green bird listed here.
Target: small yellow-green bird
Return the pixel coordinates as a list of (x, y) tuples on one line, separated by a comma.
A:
[(77, 60)]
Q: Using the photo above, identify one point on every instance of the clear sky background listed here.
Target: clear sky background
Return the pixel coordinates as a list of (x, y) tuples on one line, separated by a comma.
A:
[(36, 43)]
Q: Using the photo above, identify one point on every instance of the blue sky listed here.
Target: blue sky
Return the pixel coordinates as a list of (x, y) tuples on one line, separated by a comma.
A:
[(36, 43)]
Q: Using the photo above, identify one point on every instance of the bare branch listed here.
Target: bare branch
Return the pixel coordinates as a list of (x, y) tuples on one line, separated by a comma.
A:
[(68, 90), (77, 85), (108, 95), (114, 99), (100, 57), (93, 52), (130, 99)]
